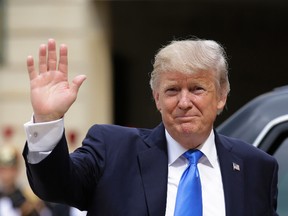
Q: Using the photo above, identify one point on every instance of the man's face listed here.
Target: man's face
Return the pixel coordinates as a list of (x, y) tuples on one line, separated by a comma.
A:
[(189, 105), (8, 176)]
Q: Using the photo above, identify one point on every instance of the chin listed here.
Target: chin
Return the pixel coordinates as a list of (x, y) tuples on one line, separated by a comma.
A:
[(188, 129)]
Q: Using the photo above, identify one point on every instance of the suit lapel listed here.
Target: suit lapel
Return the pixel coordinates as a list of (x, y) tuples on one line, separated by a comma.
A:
[(153, 164), (232, 170)]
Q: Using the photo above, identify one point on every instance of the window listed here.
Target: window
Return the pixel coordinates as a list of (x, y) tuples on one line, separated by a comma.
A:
[(281, 154)]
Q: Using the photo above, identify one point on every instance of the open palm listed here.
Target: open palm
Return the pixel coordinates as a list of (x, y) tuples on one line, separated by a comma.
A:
[(51, 93)]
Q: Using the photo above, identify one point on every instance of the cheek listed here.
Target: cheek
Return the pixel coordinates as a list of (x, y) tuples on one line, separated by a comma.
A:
[(169, 105), (206, 105)]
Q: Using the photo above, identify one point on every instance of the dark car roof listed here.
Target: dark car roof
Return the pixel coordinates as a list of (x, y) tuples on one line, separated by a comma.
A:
[(250, 120)]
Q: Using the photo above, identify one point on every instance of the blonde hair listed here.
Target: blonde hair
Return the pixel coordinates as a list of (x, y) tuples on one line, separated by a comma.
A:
[(190, 56)]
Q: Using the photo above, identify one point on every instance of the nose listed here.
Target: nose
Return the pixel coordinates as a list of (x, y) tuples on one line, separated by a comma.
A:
[(185, 101)]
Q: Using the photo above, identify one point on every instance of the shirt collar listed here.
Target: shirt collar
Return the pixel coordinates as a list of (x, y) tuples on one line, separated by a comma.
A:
[(208, 148)]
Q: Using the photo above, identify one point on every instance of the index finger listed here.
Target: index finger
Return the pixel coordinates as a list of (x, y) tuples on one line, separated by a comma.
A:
[(31, 67)]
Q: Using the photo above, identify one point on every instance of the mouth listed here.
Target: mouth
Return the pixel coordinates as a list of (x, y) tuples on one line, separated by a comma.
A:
[(186, 118)]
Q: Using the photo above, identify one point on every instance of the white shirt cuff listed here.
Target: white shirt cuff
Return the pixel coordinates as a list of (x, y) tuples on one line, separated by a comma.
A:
[(43, 137)]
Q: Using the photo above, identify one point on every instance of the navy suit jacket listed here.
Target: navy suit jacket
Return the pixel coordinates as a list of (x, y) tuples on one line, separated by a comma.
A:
[(123, 171)]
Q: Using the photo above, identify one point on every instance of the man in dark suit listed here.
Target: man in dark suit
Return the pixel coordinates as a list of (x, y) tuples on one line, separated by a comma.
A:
[(134, 171)]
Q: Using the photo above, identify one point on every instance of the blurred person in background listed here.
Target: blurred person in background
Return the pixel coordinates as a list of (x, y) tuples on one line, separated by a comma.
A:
[(64, 210), (12, 199), (16, 201)]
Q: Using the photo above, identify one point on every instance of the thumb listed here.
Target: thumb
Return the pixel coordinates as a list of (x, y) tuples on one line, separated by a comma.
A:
[(77, 82)]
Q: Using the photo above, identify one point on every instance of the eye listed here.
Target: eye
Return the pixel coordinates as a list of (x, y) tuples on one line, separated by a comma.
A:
[(171, 91), (197, 89)]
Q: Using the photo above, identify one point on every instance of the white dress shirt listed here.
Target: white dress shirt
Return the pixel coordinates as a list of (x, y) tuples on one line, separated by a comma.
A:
[(43, 137), (210, 175)]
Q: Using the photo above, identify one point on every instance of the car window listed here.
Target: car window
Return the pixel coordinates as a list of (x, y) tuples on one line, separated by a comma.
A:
[(281, 154)]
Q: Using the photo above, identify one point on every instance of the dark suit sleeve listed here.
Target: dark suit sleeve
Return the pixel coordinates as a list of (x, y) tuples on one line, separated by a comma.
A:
[(117, 171), (65, 178)]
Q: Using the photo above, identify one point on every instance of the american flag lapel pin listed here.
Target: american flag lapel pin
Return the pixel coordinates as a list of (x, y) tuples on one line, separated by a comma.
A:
[(236, 167)]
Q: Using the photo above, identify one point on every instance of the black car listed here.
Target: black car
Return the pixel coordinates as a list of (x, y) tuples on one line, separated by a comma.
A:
[(263, 122)]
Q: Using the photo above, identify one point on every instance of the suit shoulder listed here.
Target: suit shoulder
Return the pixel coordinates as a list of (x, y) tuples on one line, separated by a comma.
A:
[(243, 148), (117, 130)]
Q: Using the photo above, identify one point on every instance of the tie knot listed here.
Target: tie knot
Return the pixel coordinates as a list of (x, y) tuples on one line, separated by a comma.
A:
[(193, 155)]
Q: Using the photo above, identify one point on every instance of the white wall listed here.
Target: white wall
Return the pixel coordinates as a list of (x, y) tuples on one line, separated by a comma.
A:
[(85, 29)]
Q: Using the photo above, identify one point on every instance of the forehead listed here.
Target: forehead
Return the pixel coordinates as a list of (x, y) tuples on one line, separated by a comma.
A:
[(201, 77)]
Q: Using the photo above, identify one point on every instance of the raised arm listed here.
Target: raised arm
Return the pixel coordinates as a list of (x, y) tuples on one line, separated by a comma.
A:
[(50, 91)]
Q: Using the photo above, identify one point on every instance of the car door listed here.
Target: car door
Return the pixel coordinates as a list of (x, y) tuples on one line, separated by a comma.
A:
[(275, 142)]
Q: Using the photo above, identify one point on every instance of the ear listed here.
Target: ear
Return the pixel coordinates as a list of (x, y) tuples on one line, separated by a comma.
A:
[(222, 102), (156, 99)]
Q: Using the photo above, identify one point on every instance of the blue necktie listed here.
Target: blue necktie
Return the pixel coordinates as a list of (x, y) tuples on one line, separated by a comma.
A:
[(189, 195)]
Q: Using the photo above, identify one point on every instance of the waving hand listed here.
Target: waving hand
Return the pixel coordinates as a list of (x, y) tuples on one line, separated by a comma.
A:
[(51, 93)]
